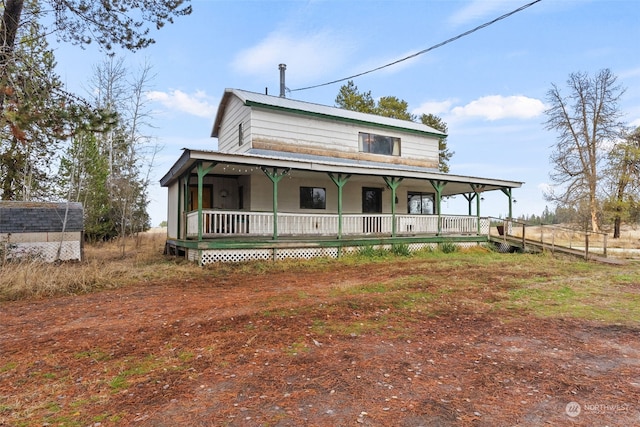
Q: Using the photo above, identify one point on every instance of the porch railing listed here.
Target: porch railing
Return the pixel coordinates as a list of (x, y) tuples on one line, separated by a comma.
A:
[(242, 223), (551, 237)]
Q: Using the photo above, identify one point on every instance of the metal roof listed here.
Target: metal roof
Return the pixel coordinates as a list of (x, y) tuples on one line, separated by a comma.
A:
[(40, 217), (302, 107), (461, 183), (334, 160)]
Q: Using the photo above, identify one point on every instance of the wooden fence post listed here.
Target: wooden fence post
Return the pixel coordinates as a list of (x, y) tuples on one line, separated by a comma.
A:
[(586, 246)]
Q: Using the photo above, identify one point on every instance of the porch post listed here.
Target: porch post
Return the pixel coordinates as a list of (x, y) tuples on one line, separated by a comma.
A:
[(477, 189), (182, 207), (438, 186), (393, 183), (339, 181), (507, 192), (275, 177), (185, 201), (470, 198), (202, 172)]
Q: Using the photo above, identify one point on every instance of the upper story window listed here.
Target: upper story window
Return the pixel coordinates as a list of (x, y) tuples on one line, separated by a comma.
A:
[(379, 144), (240, 134), (313, 198)]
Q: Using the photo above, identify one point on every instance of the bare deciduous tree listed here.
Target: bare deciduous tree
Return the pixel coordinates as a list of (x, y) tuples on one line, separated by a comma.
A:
[(587, 121), (623, 180)]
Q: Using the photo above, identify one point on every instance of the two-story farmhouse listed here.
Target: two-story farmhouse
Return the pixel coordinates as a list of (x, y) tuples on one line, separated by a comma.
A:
[(296, 179)]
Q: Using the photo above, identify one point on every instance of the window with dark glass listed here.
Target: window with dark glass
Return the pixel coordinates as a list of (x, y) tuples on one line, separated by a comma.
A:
[(313, 198), (420, 203), (240, 134), (379, 144)]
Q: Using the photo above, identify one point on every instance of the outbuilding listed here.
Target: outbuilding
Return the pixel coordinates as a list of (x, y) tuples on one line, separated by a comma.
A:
[(44, 231)]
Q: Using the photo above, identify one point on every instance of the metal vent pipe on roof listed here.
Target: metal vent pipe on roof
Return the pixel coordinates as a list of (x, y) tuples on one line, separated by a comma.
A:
[(282, 67)]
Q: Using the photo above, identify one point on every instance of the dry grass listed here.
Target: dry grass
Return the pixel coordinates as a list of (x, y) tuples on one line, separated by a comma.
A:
[(104, 267), (627, 246), (284, 343)]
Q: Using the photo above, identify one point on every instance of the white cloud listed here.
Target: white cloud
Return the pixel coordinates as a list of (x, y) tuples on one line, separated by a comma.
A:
[(478, 9), (545, 188), (197, 104), (307, 57), (629, 73), (372, 63), (434, 107), (495, 107)]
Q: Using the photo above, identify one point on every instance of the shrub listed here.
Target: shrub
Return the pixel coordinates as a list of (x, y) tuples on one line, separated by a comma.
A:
[(400, 249), (448, 247), (369, 251)]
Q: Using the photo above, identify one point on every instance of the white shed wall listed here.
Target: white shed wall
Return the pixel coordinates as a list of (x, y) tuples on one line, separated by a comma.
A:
[(47, 247)]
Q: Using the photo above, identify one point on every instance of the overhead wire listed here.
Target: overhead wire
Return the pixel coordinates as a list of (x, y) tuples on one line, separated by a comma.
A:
[(452, 39)]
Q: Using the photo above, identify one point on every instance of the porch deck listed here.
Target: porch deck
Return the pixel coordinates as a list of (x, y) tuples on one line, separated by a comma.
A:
[(233, 236)]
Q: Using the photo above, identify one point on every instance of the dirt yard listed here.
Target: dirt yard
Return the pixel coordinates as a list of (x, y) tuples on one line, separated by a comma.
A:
[(392, 344)]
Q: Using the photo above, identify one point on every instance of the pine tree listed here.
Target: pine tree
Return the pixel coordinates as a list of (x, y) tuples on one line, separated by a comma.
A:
[(349, 98), (107, 169), (34, 118)]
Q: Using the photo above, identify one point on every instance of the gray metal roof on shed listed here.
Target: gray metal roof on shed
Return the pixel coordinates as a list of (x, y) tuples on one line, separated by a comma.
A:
[(39, 217), (302, 107)]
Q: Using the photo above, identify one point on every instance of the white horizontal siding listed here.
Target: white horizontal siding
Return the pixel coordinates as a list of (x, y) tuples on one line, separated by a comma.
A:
[(289, 195), (299, 131), (235, 113), (172, 210), (329, 135)]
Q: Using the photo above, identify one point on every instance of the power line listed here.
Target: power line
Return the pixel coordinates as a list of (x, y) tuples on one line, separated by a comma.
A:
[(459, 36)]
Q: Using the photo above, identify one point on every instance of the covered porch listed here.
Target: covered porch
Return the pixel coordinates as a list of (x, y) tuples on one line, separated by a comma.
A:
[(258, 202)]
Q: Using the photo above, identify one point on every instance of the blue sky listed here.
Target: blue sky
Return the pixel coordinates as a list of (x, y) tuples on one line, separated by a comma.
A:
[(489, 87)]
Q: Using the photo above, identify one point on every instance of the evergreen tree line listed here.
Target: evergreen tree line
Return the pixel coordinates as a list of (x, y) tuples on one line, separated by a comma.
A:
[(579, 217), (59, 146)]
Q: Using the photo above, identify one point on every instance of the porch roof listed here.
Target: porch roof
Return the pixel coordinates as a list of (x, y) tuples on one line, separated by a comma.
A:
[(456, 184)]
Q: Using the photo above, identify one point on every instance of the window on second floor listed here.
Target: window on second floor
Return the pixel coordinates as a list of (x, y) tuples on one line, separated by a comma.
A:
[(379, 144), (240, 134), (313, 198)]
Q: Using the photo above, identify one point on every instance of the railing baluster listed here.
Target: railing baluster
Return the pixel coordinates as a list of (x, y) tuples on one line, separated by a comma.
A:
[(227, 223)]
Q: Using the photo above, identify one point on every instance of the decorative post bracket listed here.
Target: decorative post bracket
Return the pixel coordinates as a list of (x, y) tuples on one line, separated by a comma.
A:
[(275, 176), (393, 183), (339, 180)]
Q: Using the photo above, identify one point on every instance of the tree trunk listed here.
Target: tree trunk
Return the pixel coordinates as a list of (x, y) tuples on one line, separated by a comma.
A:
[(8, 30), (616, 227), (593, 208)]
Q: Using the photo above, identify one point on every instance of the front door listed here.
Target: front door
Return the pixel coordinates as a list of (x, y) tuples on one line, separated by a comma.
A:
[(207, 192), (371, 203)]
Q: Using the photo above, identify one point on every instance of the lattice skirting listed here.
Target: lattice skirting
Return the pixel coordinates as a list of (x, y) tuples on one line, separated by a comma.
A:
[(211, 256), (43, 251)]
